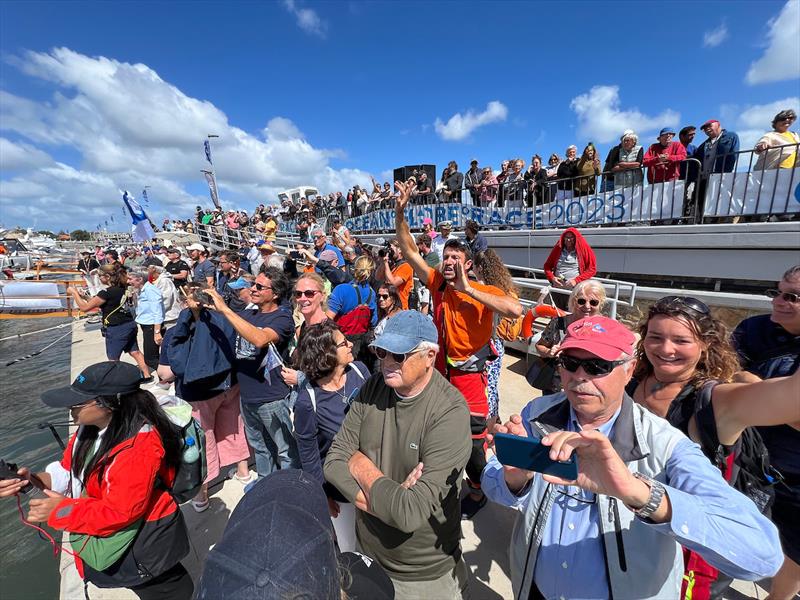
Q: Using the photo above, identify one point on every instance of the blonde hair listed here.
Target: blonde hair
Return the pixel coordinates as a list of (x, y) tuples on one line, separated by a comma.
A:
[(584, 288), (363, 268)]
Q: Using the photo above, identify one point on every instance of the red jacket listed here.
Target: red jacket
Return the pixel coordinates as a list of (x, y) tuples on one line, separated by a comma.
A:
[(587, 266), (658, 172), (130, 488)]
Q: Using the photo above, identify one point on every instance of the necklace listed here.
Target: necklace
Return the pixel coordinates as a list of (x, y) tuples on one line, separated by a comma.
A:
[(341, 391), (660, 385)]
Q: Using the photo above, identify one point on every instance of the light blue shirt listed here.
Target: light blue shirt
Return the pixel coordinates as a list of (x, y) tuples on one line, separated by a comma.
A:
[(570, 561), (708, 516), (149, 308)]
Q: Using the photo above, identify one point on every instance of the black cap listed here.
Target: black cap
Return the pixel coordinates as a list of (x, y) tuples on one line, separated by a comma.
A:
[(279, 542), (101, 379)]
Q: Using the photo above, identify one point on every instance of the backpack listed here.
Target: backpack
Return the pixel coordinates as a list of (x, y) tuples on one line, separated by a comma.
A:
[(313, 397), (191, 471), (359, 319)]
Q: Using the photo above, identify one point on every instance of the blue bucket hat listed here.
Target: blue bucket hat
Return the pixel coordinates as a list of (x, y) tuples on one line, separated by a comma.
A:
[(405, 331), (665, 131)]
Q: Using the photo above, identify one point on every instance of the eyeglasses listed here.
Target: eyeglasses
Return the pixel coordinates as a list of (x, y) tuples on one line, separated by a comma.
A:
[(343, 343), (307, 293), (592, 366), (566, 492), (785, 296), (398, 358), (260, 287), (592, 302), (682, 303), (383, 296)]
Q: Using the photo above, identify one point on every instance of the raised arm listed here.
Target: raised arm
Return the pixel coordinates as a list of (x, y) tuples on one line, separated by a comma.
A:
[(769, 402), (255, 335), (404, 238)]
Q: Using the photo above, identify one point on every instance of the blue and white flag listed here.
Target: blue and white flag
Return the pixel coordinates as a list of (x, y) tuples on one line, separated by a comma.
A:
[(141, 229), (271, 361), (207, 147), (212, 187)]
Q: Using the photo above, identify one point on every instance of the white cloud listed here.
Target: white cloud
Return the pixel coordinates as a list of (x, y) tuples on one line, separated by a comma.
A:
[(130, 128), (601, 120), (750, 122), (714, 37), (307, 19), (19, 155), (781, 59), (460, 126)]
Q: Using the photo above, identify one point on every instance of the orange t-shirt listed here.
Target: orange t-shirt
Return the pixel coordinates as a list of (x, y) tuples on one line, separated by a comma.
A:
[(407, 273), (468, 323)]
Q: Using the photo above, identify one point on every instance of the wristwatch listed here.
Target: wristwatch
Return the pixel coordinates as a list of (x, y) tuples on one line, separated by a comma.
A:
[(657, 492)]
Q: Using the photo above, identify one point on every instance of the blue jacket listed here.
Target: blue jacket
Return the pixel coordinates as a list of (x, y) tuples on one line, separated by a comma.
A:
[(201, 354), (725, 157)]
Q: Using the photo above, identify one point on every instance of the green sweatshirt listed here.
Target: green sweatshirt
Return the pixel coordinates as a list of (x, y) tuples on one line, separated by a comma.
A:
[(415, 534)]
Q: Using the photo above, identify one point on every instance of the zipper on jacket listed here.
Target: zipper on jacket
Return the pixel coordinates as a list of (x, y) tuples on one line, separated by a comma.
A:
[(613, 515)]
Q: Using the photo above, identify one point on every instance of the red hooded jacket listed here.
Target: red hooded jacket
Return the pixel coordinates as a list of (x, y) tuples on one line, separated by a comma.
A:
[(587, 266)]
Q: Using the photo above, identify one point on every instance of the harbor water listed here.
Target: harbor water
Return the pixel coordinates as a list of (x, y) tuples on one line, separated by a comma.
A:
[(28, 569)]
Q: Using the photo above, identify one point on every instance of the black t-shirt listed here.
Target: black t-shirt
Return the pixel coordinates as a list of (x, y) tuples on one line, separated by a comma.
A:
[(88, 264), (253, 385), (173, 268), (113, 313)]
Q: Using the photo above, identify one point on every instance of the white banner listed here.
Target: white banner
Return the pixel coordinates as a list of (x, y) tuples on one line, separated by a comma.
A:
[(755, 193), (659, 201)]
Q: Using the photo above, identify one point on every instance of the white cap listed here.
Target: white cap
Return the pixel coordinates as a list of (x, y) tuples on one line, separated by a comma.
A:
[(196, 246)]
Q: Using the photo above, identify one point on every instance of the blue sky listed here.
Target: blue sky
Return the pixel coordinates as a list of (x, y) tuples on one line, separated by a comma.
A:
[(101, 96)]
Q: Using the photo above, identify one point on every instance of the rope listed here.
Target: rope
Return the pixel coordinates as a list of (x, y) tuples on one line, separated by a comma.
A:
[(38, 352), (19, 335)]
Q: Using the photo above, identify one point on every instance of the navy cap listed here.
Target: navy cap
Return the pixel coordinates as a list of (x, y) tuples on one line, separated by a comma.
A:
[(101, 379), (405, 331), (666, 130)]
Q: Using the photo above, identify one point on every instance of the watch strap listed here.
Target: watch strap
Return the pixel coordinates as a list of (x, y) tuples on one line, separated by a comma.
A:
[(657, 492)]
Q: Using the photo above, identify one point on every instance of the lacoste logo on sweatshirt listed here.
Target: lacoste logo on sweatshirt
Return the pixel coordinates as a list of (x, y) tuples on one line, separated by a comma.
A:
[(413, 446)]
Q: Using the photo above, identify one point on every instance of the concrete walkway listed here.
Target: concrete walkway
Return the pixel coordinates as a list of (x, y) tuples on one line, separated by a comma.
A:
[(485, 538)]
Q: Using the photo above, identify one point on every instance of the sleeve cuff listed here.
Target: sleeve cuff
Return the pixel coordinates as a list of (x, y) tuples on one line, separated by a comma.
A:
[(59, 478), (493, 484)]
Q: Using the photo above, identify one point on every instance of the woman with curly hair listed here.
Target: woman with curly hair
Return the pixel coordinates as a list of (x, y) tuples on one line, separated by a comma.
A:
[(325, 355), (684, 369), (489, 269)]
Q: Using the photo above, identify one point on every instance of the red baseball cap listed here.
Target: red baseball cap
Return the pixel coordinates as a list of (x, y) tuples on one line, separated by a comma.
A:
[(602, 336), (707, 123)]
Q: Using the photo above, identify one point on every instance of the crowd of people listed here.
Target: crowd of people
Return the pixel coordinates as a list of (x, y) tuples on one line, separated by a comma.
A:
[(364, 380)]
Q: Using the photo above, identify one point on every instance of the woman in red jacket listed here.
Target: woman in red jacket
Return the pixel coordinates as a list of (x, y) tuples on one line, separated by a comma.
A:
[(112, 483), (570, 261)]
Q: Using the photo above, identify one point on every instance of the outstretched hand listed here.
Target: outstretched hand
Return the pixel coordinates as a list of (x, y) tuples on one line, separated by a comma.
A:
[(405, 189)]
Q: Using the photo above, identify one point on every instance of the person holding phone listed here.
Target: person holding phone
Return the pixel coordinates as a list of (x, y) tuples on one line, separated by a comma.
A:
[(643, 489)]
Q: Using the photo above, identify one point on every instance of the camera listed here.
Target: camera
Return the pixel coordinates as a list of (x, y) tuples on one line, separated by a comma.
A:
[(383, 252), (295, 254)]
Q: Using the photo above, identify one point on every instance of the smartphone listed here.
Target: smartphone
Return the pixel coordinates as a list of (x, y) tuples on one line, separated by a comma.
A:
[(530, 454), (295, 254)]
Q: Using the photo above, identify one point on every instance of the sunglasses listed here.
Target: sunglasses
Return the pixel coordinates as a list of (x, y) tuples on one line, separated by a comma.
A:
[(785, 296), (592, 302), (307, 293), (592, 366), (682, 303), (383, 296), (260, 287), (398, 358)]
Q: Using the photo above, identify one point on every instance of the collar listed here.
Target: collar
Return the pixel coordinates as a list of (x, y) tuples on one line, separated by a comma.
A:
[(605, 428), (624, 438)]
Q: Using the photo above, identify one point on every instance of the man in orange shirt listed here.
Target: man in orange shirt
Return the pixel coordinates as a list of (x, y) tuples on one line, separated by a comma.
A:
[(464, 317), (397, 272)]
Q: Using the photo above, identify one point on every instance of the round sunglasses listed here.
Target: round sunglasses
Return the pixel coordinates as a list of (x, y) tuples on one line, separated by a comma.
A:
[(307, 293), (785, 296), (400, 358), (583, 301)]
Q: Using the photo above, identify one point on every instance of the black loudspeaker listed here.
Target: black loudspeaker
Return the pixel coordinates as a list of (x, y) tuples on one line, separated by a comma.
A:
[(403, 173)]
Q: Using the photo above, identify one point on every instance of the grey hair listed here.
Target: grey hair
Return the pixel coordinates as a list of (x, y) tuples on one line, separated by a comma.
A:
[(792, 273), (316, 230), (630, 134), (427, 346), (348, 249), (139, 274), (572, 147)]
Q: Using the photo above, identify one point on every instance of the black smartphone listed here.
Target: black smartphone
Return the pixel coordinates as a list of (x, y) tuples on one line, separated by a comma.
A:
[(295, 254), (34, 487), (530, 454)]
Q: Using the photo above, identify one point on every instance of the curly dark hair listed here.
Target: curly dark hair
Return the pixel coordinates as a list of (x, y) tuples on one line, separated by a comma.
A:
[(397, 304), (718, 359), (316, 350), (494, 272), (279, 282)]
